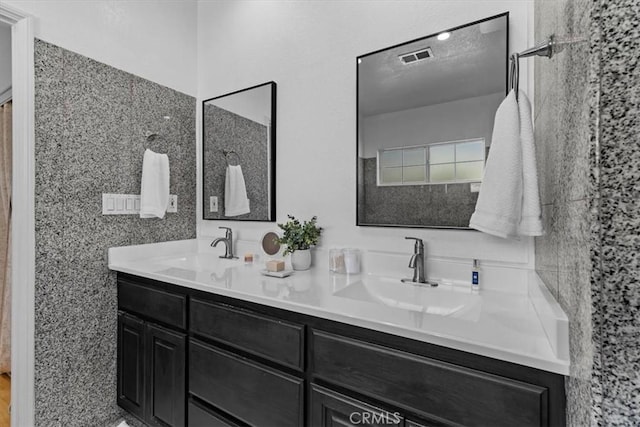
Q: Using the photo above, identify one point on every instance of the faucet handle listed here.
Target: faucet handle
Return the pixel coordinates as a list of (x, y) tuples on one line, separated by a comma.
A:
[(419, 246), (228, 232)]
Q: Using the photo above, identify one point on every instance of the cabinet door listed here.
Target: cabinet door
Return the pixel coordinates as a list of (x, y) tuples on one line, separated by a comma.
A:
[(165, 377), (131, 364), (332, 409)]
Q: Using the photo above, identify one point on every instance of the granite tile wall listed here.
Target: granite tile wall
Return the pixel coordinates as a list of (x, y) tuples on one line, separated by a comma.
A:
[(225, 130), (448, 205), (90, 122), (587, 121)]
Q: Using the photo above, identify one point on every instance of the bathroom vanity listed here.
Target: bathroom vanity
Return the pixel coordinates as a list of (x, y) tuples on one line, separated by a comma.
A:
[(208, 343)]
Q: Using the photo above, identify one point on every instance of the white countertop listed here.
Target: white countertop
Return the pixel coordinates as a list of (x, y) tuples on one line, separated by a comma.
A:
[(527, 328)]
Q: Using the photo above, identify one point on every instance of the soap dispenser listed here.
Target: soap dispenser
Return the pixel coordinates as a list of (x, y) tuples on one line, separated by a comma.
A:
[(475, 276)]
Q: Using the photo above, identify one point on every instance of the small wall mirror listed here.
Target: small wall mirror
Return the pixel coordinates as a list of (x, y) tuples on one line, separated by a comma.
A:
[(238, 155), (425, 119)]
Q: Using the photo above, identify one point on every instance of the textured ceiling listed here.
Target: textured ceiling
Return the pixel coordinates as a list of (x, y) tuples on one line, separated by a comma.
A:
[(472, 62)]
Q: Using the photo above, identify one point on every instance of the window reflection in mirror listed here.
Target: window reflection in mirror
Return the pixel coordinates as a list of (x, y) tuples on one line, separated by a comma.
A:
[(425, 119)]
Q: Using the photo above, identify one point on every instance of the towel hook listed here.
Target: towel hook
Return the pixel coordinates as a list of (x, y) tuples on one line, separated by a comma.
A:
[(149, 138), (229, 153), (514, 73)]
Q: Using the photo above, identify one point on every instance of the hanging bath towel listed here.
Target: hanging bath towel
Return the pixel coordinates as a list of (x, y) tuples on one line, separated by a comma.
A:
[(154, 188), (498, 209), (235, 192), (531, 215), (509, 203)]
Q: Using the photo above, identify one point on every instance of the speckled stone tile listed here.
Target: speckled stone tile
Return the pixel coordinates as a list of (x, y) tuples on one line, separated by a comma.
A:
[(573, 124), (618, 308), (546, 248), (86, 120), (437, 205), (573, 254), (620, 99), (620, 142), (548, 152), (545, 71), (575, 297), (621, 43), (621, 358), (621, 264), (567, 113)]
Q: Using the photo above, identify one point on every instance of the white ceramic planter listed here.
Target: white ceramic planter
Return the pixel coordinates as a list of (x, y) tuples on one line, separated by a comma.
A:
[(301, 259)]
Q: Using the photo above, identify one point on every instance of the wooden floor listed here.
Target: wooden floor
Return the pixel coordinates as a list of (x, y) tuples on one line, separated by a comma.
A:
[(5, 400)]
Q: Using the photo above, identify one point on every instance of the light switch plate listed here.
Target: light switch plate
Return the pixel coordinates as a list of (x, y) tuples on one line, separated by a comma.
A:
[(129, 204), (173, 203), (213, 204)]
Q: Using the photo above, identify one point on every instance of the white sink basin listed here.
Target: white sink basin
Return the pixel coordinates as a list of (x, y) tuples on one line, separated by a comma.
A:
[(201, 262), (443, 300)]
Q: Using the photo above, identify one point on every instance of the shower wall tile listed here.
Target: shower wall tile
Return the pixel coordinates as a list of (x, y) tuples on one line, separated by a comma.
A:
[(90, 123), (620, 99), (597, 195), (565, 144), (547, 151), (546, 249), (619, 308), (620, 143), (438, 205)]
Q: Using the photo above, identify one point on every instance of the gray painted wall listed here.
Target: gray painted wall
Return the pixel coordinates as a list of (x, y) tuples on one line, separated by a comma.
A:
[(587, 105), (90, 122), (224, 130)]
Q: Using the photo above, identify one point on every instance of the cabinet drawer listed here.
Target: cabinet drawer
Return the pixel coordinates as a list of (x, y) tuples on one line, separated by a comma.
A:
[(200, 416), (330, 408), (154, 303), (264, 336), (253, 393), (429, 387)]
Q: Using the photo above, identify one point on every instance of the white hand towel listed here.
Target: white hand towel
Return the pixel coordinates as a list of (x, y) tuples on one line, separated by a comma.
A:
[(154, 188), (235, 193), (498, 209), (531, 215)]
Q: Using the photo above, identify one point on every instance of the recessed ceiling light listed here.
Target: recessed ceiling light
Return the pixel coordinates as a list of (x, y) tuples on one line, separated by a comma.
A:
[(443, 36)]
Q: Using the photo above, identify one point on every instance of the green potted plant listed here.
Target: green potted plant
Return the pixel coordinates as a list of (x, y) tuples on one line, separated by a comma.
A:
[(299, 238)]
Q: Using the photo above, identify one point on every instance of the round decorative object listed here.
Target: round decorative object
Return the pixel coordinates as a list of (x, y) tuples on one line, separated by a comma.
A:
[(270, 245), (301, 259)]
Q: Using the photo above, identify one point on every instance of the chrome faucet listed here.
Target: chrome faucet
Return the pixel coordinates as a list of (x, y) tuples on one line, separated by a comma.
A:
[(228, 243), (417, 263)]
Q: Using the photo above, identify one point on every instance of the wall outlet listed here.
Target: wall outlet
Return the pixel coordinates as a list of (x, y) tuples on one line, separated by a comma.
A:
[(475, 187), (173, 203), (213, 204)]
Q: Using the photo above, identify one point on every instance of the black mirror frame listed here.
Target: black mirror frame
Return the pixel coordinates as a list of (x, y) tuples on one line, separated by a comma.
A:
[(272, 154), (358, 59)]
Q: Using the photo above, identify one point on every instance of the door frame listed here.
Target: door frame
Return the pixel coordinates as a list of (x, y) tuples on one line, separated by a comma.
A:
[(23, 217)]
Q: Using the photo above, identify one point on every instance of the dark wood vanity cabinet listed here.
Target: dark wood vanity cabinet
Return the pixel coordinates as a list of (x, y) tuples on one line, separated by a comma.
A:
[(151, 355), (251, 365)]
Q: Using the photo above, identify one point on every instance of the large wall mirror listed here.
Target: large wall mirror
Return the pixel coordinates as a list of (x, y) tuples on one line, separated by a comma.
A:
[(425, 119), (238, 155)]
